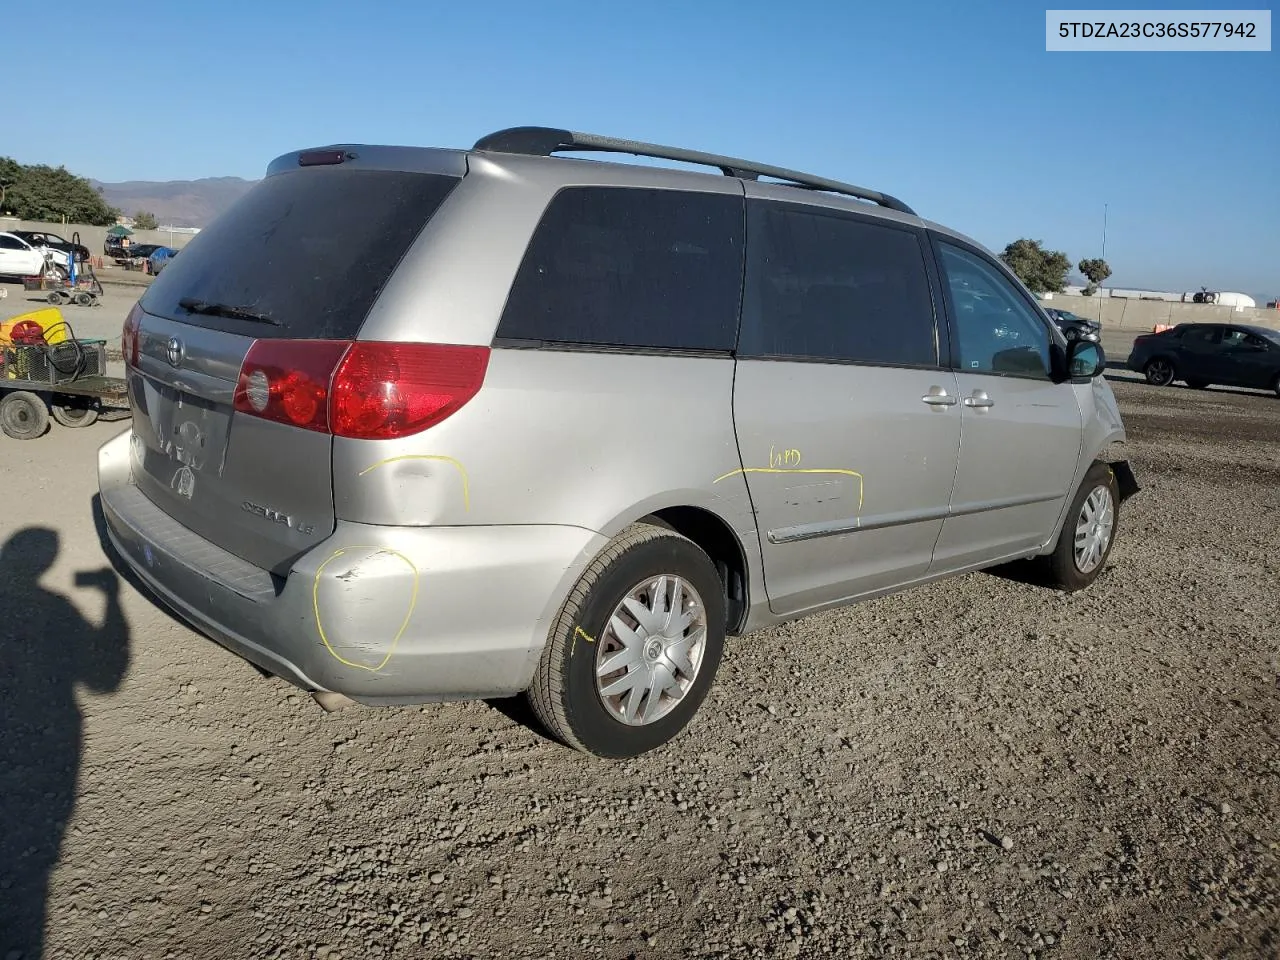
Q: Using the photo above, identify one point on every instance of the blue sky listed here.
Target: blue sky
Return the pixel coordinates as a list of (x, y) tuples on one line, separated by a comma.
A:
[(954, 107)]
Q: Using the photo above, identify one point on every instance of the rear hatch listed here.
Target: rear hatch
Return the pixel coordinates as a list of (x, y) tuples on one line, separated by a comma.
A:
[(302, 257)]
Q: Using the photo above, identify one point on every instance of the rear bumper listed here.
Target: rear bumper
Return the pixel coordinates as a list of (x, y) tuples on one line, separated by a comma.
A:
[(380, 614)]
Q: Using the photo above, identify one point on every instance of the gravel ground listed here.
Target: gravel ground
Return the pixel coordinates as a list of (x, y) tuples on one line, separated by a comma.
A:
[(980, 768)]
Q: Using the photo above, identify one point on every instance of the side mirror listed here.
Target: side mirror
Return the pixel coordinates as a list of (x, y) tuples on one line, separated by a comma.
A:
[(1085, 360)]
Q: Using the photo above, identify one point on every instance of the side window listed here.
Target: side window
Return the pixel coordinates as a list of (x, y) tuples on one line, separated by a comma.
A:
[(631, 267), (829, 287), (997, 330), (10, 243), (1202, 335)]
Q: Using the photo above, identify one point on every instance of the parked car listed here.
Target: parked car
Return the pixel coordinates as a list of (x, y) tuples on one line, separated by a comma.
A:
[(53, 242), (546, 445), (1073, 326), (160, 257), (19, 259), (1200, 354), (141, 251)]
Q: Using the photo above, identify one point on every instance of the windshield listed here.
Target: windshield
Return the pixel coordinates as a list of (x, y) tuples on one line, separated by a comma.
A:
[(1272, 335)]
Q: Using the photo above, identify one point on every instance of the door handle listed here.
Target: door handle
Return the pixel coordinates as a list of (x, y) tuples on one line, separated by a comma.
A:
[(938, 397), (979, 399)]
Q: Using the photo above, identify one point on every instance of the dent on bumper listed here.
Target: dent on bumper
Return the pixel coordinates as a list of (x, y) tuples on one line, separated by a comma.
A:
[(380, 614)]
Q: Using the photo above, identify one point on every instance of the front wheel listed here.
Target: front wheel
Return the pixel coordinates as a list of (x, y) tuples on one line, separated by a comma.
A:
[(1159, 372), (23, 415), (635, 648), (1084, 544)]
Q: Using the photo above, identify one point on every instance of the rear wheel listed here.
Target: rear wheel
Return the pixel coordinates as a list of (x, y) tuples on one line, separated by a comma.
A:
[(1276, 386), (1084, 543), (72, 416), (23, 415), (635, 648), (1159, 372)]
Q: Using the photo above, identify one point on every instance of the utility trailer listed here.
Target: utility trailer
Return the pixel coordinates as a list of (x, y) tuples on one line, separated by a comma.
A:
[(66, 382)]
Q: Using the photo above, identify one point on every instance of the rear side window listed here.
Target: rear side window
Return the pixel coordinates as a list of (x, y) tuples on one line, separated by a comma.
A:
[(631, 267), (831, 287), (1202, 335), (311, 249)]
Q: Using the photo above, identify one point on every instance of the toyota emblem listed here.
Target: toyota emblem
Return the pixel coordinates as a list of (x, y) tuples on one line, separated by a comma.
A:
[(174, 352)]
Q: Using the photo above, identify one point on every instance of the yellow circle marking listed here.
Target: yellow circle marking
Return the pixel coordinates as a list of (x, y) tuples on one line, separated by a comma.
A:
[(462, 471), (848, 473), (413, 603)]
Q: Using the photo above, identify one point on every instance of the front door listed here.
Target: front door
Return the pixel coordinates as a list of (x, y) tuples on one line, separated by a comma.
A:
[(1245, 359), (848, 425), (13, 257), (1021, 433)]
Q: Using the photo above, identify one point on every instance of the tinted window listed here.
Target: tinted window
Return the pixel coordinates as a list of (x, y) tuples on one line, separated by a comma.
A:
[(1202, 335), (311, 249), (997, 330), (10, 243), (618, 266), (835, 288)]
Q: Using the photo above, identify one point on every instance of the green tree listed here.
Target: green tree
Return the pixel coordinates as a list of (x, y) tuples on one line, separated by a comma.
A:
[(1095, 270), (1043, 271), (145, 220), (53, 194), (10, 171)]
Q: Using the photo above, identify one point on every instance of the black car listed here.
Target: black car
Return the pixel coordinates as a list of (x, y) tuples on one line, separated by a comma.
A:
[(1232, 355), (1075, 327), (54, 242)]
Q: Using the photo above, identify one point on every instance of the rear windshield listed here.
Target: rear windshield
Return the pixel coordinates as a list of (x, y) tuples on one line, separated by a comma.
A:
[(310, 249)]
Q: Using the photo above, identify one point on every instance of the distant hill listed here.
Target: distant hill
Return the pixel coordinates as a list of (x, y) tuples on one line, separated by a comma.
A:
[(180, 203)]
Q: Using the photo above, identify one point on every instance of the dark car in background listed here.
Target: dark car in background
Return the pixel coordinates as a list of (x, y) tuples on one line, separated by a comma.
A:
[(1073, 326), (38, 238), (1230, 355)]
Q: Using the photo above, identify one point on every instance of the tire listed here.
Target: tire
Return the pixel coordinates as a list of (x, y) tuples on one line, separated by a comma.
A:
[(75, 416), (1064, 567), (1198, 384), (1159, 372), (565, 694), (1276, 385), (23, 415)]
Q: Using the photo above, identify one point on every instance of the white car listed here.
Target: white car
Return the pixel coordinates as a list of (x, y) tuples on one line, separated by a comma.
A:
[(20, 259)]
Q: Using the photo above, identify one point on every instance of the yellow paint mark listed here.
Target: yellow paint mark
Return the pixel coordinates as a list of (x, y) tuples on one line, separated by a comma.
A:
[(413, 603), (579, 632), (462, 471), (784, 458), (847, 473)]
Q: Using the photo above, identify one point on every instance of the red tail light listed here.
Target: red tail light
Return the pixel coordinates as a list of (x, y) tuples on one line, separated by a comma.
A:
[(130, 339), (362, 390)]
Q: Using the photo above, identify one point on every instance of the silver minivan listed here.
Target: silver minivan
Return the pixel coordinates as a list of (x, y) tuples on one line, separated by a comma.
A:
[(418, 425)]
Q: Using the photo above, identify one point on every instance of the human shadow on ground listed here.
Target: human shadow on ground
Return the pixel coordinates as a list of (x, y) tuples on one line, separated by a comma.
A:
[(47, 650)]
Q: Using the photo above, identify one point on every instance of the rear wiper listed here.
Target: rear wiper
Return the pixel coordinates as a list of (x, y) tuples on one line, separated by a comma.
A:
[(191, 305)]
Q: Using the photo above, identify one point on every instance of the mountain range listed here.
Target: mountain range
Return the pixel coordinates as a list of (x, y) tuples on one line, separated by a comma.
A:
[(179, 203)]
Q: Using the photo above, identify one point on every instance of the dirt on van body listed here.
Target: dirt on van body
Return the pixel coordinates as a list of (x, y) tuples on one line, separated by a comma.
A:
[(978, 768)]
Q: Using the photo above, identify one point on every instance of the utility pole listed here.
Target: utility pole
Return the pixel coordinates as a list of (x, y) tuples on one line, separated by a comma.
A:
[(1104, 231)]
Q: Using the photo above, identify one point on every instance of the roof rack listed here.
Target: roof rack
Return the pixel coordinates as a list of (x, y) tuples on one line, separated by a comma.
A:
[(544, 141)]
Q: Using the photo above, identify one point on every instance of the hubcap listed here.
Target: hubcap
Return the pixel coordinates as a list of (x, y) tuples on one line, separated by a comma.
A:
[(1093, 529), (1158, 372), (651, 650)]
